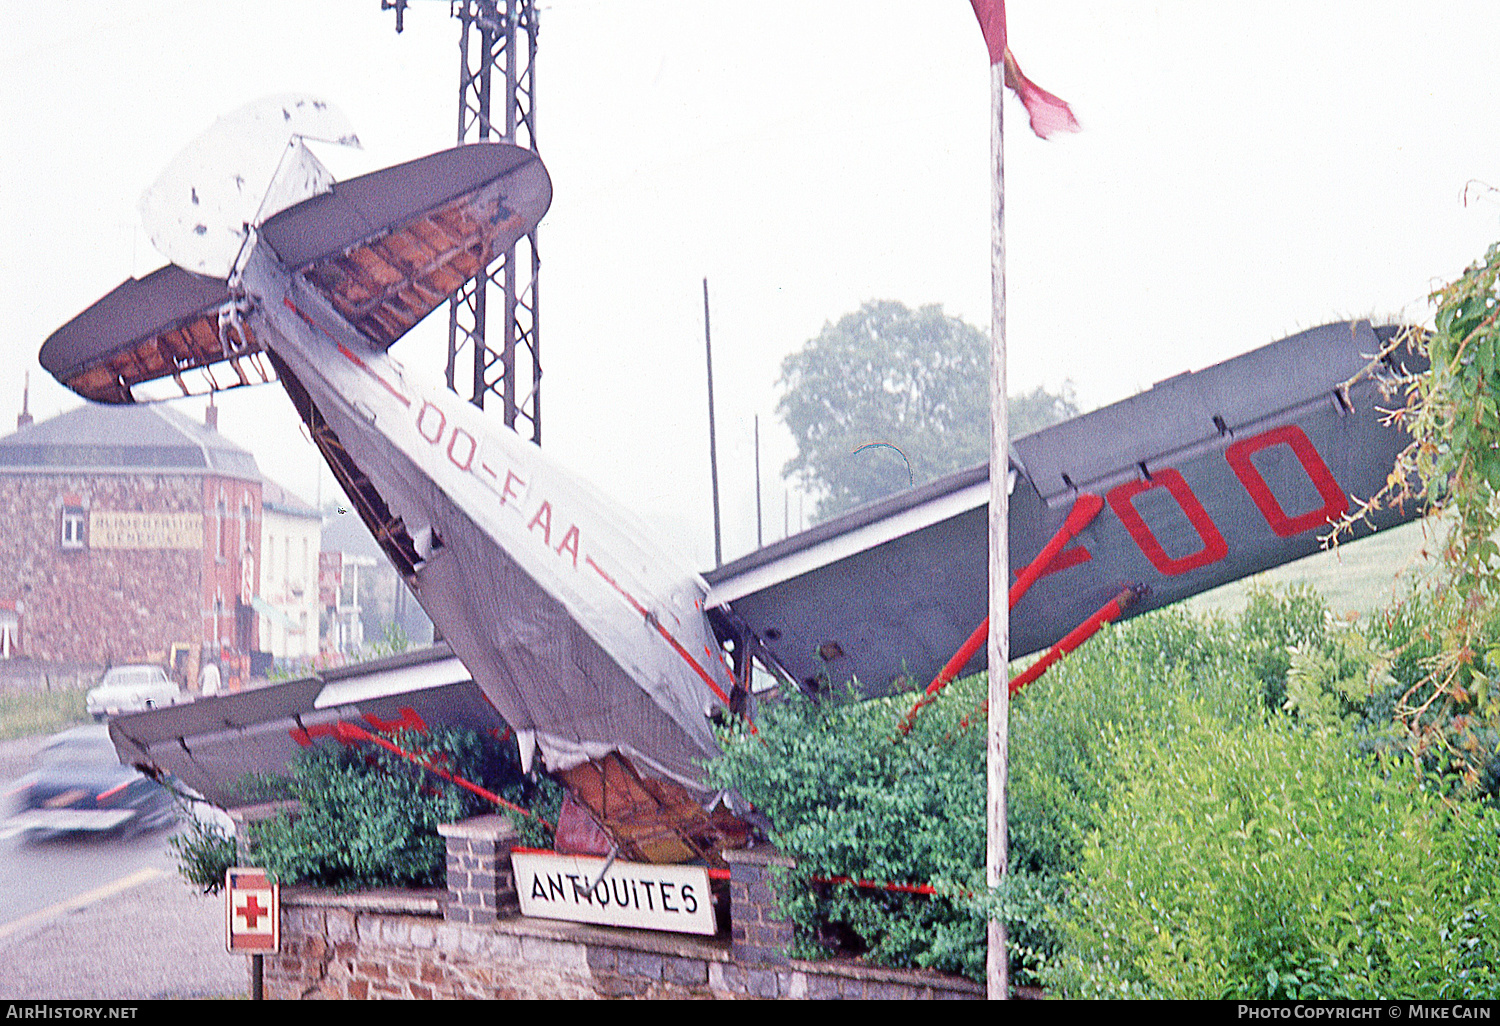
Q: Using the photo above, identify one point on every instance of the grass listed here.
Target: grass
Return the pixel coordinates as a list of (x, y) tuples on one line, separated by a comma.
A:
[(1357, 577), (40, 712)]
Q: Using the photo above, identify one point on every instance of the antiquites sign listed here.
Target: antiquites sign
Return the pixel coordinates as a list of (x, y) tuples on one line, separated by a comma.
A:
[(630, 894)]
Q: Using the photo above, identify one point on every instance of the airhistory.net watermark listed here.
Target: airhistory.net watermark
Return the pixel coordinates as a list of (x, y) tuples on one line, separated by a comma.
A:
[(68, 1010)]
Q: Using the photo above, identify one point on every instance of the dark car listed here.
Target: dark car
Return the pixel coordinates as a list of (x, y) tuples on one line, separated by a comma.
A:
[(78, 784)]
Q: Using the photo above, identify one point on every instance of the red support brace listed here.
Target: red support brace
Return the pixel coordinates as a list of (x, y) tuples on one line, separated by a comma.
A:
[(1085, 508), (1108, 612), (350, 732)]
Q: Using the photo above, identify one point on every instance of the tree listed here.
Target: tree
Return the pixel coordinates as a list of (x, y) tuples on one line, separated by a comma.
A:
[(915, 380)]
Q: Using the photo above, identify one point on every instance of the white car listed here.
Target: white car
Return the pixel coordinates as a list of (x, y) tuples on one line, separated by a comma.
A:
[(131, 689)]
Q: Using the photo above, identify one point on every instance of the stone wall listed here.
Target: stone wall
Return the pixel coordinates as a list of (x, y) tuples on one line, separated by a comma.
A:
[(31, 675), (470, 941), (396, 945)]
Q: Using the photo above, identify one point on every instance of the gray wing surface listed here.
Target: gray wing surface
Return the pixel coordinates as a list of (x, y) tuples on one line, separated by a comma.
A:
[(1207, 477)]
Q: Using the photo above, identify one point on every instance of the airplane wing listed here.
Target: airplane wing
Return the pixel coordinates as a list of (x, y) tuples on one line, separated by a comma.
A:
[(1206, 478), (164, 325), (210, 744)]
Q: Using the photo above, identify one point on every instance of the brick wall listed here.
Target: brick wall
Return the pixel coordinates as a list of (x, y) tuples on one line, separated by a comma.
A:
[(92, 605), (96, 606)]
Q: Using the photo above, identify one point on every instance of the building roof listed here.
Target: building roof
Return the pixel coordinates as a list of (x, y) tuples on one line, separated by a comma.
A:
[(124, 439), (277, 499)]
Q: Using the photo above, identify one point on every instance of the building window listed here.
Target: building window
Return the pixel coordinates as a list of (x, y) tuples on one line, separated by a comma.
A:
[(73, 519)]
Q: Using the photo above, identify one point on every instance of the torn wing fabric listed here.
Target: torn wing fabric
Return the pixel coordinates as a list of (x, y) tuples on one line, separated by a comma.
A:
[(248, 165)]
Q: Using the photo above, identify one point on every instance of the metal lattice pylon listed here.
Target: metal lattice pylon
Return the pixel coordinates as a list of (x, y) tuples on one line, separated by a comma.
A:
[(499, 351), (498, 38)]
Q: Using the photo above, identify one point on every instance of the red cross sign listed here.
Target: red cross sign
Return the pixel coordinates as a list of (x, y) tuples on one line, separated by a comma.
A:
[(252, 912)]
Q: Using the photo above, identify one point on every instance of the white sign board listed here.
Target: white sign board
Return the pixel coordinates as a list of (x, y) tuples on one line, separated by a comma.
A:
[(630, 894), (252, 912)]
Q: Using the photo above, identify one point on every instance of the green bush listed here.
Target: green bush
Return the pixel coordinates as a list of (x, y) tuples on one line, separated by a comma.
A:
[(1112, 755), (1270, 861), (1453, 731), (845, 800), (368, 818), (1271, 625), (205, 853)]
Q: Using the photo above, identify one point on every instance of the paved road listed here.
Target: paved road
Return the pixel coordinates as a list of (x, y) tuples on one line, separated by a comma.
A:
[(102, 918)]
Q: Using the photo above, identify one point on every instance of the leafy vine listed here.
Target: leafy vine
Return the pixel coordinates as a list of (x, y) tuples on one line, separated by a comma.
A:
[(1452, 465)]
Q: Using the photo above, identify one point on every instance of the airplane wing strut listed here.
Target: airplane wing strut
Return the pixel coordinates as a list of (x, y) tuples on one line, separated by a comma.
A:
[(1085, 508)]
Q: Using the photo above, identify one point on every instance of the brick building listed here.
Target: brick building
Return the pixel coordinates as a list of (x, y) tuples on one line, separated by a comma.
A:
[(130, 534)]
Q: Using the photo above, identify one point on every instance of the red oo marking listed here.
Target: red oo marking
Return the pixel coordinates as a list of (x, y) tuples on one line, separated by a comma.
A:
[(1335, 503), (408, 720), (453, 441), (305, 737), (1121, 500), (1066, 558), (436, 436)]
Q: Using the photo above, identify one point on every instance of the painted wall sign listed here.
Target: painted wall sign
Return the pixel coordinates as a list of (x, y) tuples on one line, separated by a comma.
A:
[(252, 913), (114, 530), (632, 894)]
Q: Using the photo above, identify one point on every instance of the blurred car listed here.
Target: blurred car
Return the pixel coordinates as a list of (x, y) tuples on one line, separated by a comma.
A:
[(132, 689), (78, 784)]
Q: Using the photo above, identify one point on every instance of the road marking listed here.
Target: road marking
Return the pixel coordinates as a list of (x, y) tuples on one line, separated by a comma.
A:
[(79, 901)]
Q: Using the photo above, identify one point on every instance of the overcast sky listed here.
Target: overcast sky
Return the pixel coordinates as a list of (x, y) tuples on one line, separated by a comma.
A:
[(1245, 170)]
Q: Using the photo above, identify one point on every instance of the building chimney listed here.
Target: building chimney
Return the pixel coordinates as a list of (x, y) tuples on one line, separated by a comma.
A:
[(24, 417), (211, 415)]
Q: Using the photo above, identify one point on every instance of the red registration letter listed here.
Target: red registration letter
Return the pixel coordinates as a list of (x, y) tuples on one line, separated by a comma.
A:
[(1121, 500), (1335, 503)]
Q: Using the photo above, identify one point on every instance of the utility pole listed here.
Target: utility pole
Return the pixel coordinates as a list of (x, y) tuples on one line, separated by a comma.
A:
[(713, 447), (997, 746), (760, 540)]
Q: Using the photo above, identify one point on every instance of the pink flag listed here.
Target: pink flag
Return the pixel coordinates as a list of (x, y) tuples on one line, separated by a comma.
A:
[(1049, 114)]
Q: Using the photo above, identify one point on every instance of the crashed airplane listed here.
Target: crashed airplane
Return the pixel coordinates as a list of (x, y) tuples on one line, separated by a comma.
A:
[(608, 660)]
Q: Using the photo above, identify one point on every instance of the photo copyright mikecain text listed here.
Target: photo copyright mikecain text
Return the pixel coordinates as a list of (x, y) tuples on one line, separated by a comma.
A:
[(1476, 1010)]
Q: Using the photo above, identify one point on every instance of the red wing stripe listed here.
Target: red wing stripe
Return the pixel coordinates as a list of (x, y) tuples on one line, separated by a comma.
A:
[(666, 634), (365, 367), (287, 302)]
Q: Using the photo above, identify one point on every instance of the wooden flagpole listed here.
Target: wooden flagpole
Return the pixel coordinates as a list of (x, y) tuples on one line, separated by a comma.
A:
[(998, 733)]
